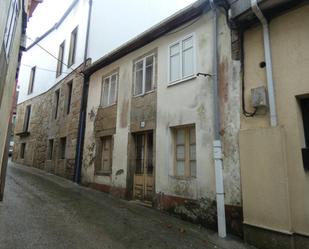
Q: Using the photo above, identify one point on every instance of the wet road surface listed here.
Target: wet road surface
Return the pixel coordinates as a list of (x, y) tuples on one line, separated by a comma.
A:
[(41, 210)]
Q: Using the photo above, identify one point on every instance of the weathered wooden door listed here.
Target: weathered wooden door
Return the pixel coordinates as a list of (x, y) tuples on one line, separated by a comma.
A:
[(143, 188)]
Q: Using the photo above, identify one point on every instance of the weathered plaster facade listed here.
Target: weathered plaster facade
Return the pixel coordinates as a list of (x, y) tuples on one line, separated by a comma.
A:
[(168, 106), (274, 182)]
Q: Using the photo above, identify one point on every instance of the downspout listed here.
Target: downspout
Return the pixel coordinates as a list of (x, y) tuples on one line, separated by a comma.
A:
[(217, 147), (269, 72), (83, 108)]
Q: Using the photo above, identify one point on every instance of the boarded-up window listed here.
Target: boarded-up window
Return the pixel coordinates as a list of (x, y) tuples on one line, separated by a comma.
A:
[(144, 77), (62, 148), (72, 50), (31, 80), (50, 149), (105, 164), (27, 118), (109, 90), (185, 151), (22, 150), (60, 59), (181, 59)]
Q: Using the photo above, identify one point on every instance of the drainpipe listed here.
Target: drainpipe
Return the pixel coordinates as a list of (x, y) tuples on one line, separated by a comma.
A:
[(83, 109), (217, 147), (269, 71)]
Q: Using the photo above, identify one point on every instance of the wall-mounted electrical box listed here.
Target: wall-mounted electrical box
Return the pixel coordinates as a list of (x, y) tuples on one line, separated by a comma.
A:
[(259, 97)]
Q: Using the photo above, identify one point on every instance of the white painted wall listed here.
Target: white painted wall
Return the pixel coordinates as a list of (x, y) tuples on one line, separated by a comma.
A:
[(112, 24), (35, 56), (189, 102), (115, 22)]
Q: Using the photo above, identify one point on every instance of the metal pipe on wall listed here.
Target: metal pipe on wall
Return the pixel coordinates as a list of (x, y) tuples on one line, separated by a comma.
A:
[(269, 71), (217, 147)]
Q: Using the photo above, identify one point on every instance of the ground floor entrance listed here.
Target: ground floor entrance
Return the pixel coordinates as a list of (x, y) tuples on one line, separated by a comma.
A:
[(143, 184)]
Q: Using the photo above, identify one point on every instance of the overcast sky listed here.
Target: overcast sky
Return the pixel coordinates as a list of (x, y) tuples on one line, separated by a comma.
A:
[(48, 13)]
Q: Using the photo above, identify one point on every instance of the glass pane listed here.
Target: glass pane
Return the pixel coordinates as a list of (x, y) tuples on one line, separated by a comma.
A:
[(105, 92), (180, 136), (139, 65), (193, 168), (149, 79), (188, 43), (175, 67), (187, 62), (112, 95), (180, 168), (138, 82), (149, 61), (180, 152), (192, 152), (192, 135), (174, 49)]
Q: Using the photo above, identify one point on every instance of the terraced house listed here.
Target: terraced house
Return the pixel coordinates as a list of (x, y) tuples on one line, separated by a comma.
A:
[(149, 129), (204, 114), (14, 15)]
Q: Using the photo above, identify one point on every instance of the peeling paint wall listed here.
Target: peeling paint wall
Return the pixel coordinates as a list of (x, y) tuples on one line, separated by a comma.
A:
[(289, 40), (185, 103)]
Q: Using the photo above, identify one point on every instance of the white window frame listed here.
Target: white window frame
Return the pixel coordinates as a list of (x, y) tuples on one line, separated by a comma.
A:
[(109, 90), (144, 74), (180, 42), (10, 26)]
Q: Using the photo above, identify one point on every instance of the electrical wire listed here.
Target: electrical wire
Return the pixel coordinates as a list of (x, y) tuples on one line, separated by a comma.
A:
[(43, 69), (44, 49), (245, 112)]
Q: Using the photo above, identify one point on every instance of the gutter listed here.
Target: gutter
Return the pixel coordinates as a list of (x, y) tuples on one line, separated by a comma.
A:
[(83, 108), (217, 146), (269, 72)]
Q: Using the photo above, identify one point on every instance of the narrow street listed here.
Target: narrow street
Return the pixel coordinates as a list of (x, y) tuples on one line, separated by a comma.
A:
[(41, 210)]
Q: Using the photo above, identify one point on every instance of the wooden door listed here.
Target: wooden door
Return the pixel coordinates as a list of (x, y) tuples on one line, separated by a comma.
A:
[(143, 187)]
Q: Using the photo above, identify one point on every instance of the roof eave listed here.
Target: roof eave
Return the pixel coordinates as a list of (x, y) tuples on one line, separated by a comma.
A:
[(179, 18)]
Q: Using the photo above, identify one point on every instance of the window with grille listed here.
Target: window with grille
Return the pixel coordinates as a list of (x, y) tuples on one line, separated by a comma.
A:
[(181, 59), (185, 151), (109, 90)]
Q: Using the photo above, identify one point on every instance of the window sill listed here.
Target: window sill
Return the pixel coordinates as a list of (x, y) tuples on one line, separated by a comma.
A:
[(181, 81), (107, 106), (143, 94), (109, 173), (23, 134), (184, 178)]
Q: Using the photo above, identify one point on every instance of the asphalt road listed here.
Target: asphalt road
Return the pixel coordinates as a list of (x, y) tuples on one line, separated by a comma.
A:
[(41, 210)]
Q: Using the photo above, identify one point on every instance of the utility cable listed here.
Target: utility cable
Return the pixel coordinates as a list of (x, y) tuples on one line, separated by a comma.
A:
[(44, 49), (43, 69)]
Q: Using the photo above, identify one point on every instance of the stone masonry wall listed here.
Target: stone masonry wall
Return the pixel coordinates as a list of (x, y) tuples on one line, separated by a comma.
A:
[(44, 126)]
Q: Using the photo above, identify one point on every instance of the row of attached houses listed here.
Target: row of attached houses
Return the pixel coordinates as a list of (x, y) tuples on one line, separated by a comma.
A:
[(14, 15), (204, 114)]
